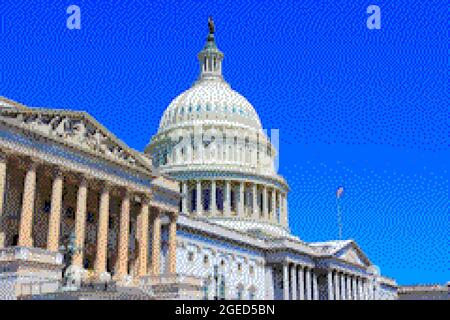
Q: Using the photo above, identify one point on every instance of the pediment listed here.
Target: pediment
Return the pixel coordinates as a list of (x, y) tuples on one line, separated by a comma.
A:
[(78, 130), (353, 255)]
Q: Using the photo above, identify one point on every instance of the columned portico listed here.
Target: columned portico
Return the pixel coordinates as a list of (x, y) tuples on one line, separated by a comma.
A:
[(88, 202)]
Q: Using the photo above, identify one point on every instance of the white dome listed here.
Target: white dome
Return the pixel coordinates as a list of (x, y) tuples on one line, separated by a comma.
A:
[(210, 139), (210, 100)]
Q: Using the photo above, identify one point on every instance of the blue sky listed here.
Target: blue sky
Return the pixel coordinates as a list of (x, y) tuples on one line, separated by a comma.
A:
[(366, 109)]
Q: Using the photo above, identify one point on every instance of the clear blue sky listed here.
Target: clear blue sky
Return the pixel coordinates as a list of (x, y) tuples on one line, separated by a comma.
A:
[(366, 109)]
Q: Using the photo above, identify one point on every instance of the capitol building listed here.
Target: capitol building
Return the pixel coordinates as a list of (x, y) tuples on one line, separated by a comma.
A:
[(201, 213)]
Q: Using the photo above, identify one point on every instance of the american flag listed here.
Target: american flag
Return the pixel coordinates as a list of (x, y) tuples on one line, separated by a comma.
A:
[(339, 192)]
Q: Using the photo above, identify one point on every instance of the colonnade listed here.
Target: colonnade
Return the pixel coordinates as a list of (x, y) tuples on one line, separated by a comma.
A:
[(149, 216), (300, 282), (217, 145), (229, 198), (343, 285)]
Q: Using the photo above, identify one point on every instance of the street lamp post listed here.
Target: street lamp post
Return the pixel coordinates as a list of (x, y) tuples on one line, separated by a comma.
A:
[(216, 279)]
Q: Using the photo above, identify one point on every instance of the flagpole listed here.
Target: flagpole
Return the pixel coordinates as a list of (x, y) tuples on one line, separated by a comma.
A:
[(339, 217)]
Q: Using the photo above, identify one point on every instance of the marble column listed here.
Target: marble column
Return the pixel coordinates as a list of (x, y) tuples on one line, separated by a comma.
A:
[(3, 166), (124, 237), (273, 217), (301, 283), (348, 287), (80, 222), (308, 284), (156, 244), (255, 201), (143, 237), (241, 200), (354, 289), (330, 285), (184, 199), (337, 293), (285, 221), (343, 289), (28, 199), (213, 204), (54, 224), (172, 251), (293, 282), (280, 208), (199, 198), (366, 289), (102, 232), (285, 281), (265, 204), (360, 289), (315, 286), (227, 198)]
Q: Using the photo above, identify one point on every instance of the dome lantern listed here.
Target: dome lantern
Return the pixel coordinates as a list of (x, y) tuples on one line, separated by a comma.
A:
[(210, 57)]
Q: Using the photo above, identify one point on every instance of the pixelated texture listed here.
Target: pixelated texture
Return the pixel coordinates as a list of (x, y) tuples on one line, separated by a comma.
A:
[(366, 109)]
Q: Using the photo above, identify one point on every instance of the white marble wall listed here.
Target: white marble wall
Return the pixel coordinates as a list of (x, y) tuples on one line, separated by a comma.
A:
[(235, 277)]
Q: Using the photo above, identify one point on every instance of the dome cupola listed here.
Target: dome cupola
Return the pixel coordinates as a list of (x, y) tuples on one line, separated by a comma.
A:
[(210, 57)]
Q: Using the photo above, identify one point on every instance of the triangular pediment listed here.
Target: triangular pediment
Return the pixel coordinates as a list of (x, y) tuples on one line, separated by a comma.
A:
[(78, 130), (353, 254)]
